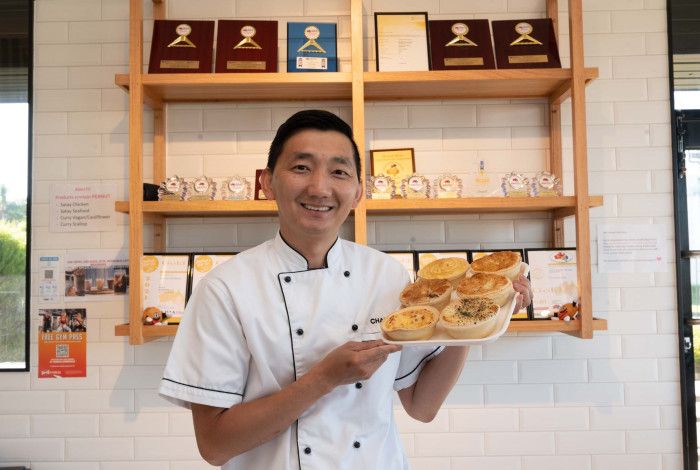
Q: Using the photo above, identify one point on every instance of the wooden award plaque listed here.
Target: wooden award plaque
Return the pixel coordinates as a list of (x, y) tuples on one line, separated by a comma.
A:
[(181, 46), (259, 193), (246, 46), (525, 44), (460, 45)]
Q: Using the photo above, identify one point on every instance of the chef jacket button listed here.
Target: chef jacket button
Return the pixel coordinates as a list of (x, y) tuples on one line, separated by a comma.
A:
[(287, 279), (307, 450), (346, 274), (356, 444), (300, 331), (354, 327), (358, 385)]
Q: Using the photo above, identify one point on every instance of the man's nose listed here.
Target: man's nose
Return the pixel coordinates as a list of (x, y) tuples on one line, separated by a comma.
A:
[(320, 184)]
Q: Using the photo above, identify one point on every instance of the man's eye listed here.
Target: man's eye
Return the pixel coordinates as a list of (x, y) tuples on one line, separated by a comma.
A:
[(341, 173), (300, 168)]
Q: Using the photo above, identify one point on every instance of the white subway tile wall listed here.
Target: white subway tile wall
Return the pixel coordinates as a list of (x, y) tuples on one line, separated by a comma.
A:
[(529, 401)]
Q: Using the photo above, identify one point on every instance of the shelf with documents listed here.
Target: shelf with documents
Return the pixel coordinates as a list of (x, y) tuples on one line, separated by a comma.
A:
[(359, 86)]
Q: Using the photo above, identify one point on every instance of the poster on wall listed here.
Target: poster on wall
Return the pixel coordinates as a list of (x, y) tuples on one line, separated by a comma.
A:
[(83, 207), (49, 276), (164, 279), (554, 279), (96, 275), (628, 248), (62, 343)]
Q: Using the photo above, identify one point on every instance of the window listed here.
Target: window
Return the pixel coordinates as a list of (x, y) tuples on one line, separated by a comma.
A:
[(15, 184)]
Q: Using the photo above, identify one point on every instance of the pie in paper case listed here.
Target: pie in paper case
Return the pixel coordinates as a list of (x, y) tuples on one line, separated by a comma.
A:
[(469, 318), (453, 269), (433, 292), (411, 323), (495, 287), (506, 263)]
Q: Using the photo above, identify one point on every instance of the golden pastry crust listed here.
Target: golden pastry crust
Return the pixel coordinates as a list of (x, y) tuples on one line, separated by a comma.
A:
[(492, 286), (470, 318), (453, 269), (506, 263), (433, 292), (410, 323)]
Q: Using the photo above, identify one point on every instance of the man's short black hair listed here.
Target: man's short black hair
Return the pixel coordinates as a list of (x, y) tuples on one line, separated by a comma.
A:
[(310, 119)]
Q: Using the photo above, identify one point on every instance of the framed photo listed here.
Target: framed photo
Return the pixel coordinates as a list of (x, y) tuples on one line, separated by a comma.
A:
[(401, 41), (407, 259), (164, 283), (394, 163), (424, 258), (523, 313), (202, 263), (554, 279)]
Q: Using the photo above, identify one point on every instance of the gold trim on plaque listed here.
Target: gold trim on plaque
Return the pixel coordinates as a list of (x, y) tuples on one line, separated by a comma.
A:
[(245, 65), (312, 33), (247, 42), (183, 30), (457, 61), (527, 59), (524, 30), (460, 31), (179, 64)]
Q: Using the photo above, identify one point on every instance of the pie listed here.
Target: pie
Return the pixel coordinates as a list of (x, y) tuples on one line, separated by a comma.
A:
[(495, 287), (506, 263), (411, 323), (470, 318), (433, 292), (452, 269)]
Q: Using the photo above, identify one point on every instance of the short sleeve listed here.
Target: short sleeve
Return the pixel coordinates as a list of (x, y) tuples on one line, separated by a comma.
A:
[(209, 359), (413, 359)]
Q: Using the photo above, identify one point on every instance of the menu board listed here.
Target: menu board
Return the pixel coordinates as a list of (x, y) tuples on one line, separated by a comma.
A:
[(554, 279), (164, 282)]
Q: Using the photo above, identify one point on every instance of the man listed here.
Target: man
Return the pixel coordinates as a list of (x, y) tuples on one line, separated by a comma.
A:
[(278, 353)]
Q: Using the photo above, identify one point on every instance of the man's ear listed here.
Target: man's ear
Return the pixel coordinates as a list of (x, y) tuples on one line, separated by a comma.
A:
[(266, 183), (358, 195)]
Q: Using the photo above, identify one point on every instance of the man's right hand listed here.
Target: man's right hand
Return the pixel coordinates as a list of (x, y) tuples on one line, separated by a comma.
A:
[(352, 362)]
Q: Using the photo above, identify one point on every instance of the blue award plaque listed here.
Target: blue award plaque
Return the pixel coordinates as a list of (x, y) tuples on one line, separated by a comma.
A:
[(311, 47)]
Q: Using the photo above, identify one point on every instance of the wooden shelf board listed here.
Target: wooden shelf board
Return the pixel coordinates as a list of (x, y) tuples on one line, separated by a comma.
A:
[(469, 84), (204, 208), (170, 87), (531, 326), (473, 205)]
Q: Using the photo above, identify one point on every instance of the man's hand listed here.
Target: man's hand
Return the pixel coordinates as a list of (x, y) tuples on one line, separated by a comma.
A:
[(353, 361), (523, 293)]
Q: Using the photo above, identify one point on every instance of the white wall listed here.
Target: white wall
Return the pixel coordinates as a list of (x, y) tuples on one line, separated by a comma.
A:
[(531, 401)]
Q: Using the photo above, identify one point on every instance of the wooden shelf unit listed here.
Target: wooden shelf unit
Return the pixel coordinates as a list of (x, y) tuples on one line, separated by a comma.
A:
[(359, 86)]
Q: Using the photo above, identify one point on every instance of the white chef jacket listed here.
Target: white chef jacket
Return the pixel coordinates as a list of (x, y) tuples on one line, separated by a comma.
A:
[(262, 319)]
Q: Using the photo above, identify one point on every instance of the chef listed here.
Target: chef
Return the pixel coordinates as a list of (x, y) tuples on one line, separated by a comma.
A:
[(279, 354)]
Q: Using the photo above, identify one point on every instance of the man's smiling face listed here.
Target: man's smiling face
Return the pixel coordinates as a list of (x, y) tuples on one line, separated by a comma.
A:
[(315, 185)]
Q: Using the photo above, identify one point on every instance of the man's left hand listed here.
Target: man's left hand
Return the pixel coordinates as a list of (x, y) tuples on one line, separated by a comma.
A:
[(523, 293)]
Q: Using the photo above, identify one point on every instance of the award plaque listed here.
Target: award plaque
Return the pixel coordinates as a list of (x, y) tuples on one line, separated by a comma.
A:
[(448, 187), (181, 46), (394, 163), (259, 193), (515, 185), (235, 188), (172, 189), (246, 46), (525, 44), (201, 189), (546, 184), (415, 187), (460, 45), (381, 187), (312, 47), (401, 41)]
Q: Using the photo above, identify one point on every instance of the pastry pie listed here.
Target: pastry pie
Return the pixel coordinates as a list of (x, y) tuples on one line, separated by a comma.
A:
[(492, 286), (506, 263), (433, 292), (470, 318), (410, 323), (452, 269)]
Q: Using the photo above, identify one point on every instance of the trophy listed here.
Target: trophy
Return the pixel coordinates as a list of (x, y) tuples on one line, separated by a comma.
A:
[(515, 185), (172, 189), (415, 187), (381, 187), (448, 187), (201, 189), (235, 188), (546, 184)]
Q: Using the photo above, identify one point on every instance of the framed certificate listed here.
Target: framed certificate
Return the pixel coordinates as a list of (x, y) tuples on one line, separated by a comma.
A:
[(554, 279), (401, 41), (427, 257), (202, 263), (394, 163), (164, 281), (407, 259), (523, 313)]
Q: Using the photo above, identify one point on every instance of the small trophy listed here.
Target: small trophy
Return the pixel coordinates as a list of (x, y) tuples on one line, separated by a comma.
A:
[(235, 188), (448, 187), (381, 187), (515, 185), (546, 184), (172, 189), (201, 189), (415, 187)]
